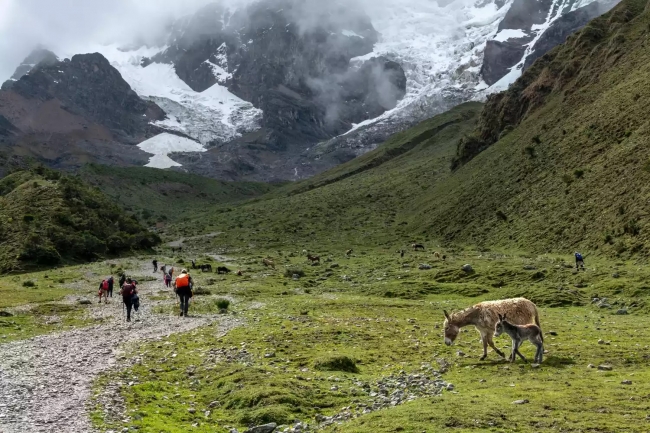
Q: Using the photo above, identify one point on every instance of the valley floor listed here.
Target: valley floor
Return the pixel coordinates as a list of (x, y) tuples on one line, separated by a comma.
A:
[(351, 345)]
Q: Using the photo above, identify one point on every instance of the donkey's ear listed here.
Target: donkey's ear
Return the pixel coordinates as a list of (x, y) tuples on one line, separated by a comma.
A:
[(446, 314), (500, 317)]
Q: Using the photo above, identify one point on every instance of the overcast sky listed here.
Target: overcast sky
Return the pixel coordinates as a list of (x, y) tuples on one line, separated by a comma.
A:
[(63, 25)]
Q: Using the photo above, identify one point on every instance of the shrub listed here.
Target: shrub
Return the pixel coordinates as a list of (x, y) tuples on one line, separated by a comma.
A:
[(578, 174), (29, 283), (223, 303), (290, 272), (502, 216), (200, 291), (536, 139), (337, 363), (28, 218)]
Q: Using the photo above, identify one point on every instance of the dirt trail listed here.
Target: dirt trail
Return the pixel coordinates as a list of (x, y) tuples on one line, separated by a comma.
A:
[(45, 382)]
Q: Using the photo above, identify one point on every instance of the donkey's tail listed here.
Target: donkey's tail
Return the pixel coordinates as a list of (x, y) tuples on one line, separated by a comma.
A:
[(538, 324)]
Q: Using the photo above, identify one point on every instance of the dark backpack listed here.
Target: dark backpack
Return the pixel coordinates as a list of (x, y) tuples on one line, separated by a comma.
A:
[(579, 257), (128, 290)]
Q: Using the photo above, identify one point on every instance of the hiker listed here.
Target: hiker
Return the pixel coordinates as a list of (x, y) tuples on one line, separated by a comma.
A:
[(164, 269), (580, 262), (168, 280), (122, 279), (129, 295), (171, 271), (183, 288), (103, 290), (155, 265), (111, 282)]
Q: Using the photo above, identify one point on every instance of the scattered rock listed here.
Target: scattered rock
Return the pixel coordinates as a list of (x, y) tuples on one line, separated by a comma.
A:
[(622, 311), (450, 387), (296, 277), (334, 265), (191, 410), (605, 367), (265, 428), (601, 341), (626, 382), (534, 365), (84, 302), (269, 355), (467, 268), (591, 366), (553, 333), (524, 401), (615, 275), (424, 267), (5, 314), (214, 404), (460, 353), (529, 268)]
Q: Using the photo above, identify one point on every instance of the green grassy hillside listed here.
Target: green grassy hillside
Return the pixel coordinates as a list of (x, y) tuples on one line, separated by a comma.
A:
[(367, 200), (47, 217), (558, 162), (163, 195)]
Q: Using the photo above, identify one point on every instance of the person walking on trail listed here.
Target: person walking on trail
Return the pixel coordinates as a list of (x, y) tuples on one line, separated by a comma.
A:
[(129, 294), (580, 261), (111, 282), (103, 290), (183, 289), (122, 279), (155, 265), (168, 280), (163, 268), (171, 271)]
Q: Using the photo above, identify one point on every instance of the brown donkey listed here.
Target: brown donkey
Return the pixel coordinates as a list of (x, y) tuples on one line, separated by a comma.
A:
[(484, 316), (520, 333)]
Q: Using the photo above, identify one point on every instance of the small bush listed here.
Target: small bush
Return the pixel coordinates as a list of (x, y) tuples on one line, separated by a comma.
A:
[(579, 173), (223, 303), (29, 283), (502, 216), (530, 151), (337, 363), (567, 179), (632, 228), (290, 272), (28, 218), (200, 291), (536, 139)]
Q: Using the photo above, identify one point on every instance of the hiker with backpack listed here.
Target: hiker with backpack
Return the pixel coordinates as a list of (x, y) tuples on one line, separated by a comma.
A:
[(103, 290), (111, 282), (130, 298), (122, 279), (580, 262), (155, 265), (183, 289), (168, 280)]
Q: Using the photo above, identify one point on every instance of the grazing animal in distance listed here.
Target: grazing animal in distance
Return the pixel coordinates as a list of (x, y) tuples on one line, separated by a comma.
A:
[(268, 263), (206, 268), (417, 247), (436, 255), (401, 253), (520, 333), (444, 257), (240, 273), (193, 264), (313, 259), (485, 315), (223, 270), (348, 252)]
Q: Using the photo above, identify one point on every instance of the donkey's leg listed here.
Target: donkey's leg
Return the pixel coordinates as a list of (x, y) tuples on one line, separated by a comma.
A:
[(491, 343), (540, 352), (513, 347), (484, 340), (518, 352)]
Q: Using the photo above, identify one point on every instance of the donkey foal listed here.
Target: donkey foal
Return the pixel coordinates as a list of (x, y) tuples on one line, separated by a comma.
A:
[(520, 333)]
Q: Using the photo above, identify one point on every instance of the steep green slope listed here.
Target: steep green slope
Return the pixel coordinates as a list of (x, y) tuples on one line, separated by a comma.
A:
[(567, 156), (162, 195), (365, 201), (47, 218)]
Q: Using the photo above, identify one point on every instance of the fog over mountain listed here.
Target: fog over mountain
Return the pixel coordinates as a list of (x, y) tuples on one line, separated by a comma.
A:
[(278, 89)]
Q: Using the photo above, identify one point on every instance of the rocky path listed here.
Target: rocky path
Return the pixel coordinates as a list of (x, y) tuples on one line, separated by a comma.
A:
[(45, 382)]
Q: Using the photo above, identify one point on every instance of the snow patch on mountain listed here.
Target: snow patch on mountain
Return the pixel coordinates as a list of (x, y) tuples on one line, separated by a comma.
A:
[(506, 34), (163, 144), (212, 116)]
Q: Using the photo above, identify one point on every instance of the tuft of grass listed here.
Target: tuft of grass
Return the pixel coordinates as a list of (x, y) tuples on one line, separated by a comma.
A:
[(337, 363), (223, 303)]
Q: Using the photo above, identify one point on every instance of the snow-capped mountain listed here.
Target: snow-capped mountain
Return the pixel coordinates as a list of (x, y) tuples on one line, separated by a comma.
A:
[(282, 89)]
